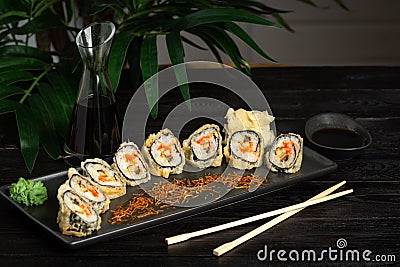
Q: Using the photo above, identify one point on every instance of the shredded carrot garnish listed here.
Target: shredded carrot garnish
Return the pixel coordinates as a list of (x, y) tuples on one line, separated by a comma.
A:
[(142, 205), (138, 207)]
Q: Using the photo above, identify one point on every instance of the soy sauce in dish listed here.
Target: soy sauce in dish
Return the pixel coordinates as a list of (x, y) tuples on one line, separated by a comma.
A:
[(339, 138)]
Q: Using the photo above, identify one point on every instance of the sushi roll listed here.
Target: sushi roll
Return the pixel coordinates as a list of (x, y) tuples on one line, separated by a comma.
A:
[(76, 216), (247, 134), (245, 149), (286, 153), (203, 148), (101, 173), (163, 153), (130, 164), (86, 189)]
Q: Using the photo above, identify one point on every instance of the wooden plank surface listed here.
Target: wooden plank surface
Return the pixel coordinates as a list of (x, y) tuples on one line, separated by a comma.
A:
[(368, 219)]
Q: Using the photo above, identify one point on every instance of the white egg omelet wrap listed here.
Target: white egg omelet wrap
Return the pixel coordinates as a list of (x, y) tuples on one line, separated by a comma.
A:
[(247, 134)]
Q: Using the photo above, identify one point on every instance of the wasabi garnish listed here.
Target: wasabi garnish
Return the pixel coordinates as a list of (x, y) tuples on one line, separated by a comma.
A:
[(28, 192)]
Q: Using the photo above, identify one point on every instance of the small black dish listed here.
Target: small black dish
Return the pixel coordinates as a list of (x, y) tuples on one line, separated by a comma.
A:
[(337, 136)]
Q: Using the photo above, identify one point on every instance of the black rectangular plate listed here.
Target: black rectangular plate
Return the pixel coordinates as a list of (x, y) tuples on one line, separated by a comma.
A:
[(314, 165)]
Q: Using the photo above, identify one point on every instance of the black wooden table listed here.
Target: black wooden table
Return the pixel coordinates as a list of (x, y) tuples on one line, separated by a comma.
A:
[(368, 219)]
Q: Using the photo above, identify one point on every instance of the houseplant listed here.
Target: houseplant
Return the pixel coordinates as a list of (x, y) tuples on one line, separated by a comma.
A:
[(39, 84)]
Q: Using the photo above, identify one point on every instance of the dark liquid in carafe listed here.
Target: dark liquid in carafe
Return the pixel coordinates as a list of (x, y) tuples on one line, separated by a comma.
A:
[(94, 130)]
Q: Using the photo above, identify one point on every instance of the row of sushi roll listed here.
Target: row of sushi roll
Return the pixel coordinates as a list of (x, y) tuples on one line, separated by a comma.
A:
[(250, 142), (247, 135), (83, 198), (81, 203)]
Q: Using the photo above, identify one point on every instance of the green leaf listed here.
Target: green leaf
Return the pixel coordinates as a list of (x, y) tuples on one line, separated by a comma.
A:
[(210, 43), (308, 2), (43, 22), (69, 9), (9, 77), (9, 20), (7, 106), (239, 32), (25, 51), (228, 46), (133, 58), (282, 22), (20, 63), (135, 4), (9, 90), (117, 57), (176, 55), (251, 5), (190, 42), (14, 13), (47, 132), (341, 4), (71, 70), (65, 94), (119, 12), (14, 5), (212, 15), (149, 64), (147, 26), (43, 6), (142, 4), (59, 115), (28, 135)]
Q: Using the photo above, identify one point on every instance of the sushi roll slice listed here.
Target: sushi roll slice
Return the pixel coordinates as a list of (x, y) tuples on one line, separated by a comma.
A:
[(76, 216), (130, 164), (286, 153), (101, 173), (203, 148), (86, 189), (247, 134), (245, 149), (163, 153)]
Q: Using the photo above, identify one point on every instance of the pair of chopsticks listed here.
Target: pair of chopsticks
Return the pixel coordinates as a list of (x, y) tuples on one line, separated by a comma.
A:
[(283, 212)]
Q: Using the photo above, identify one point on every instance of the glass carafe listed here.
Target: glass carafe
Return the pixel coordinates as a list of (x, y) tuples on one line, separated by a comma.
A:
[(94, 129)]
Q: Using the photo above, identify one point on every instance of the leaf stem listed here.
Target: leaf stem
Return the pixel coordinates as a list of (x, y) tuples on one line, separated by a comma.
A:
[(12, 34), (35, 82)]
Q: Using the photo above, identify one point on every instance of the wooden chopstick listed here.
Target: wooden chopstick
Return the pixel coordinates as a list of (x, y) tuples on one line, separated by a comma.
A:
[(312, 201), (230, 245)]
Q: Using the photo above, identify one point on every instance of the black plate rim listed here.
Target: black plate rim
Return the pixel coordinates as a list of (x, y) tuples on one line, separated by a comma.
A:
[(156, 221)]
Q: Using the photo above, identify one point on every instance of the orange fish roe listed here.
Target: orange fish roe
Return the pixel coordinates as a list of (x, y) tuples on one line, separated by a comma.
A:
[(142, 205)]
